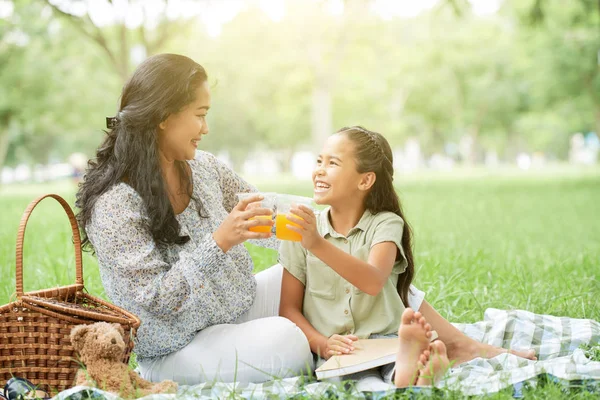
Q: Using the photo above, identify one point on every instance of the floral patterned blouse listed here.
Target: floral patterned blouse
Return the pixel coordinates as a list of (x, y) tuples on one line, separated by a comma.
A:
[(176, 290)]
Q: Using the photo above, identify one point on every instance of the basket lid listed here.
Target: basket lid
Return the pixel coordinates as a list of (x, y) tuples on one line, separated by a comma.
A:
[(82, 307)]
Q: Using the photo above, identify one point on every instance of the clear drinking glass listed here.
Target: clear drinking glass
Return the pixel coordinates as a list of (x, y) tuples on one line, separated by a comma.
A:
[(268, 201), (284, 203)]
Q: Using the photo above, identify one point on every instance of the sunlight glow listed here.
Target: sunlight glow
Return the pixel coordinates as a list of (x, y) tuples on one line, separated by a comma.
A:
[(17, 37), (485, 7), (78, 8), (214, 14), (275, 9), (335, 7), (6, 9), (388, 9)]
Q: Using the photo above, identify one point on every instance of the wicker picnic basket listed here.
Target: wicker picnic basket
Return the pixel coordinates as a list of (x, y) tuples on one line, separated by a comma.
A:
[(34, 329)]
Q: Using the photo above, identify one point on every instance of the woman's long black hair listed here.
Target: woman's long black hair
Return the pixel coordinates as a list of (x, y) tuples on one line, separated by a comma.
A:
[(162, 85)]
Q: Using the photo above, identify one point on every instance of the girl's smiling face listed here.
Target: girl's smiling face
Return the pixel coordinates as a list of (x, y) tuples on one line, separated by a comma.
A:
[(335, 177)]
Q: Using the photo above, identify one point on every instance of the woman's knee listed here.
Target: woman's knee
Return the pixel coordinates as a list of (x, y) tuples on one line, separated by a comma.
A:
[(285, 337), (284, 330)]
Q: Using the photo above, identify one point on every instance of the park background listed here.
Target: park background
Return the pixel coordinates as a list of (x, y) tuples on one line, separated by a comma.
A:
[(492, 108)]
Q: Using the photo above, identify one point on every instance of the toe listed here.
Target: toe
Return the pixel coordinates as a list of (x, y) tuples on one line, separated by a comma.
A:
[(439, 348), (407, 316), (417, 316)]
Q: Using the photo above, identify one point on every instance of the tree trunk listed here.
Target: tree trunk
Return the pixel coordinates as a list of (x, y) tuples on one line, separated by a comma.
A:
[(468, 146), (598, 121), (325, 69), (322, 121), (5, 120), (3, 146), (123, 67), (285, 159)]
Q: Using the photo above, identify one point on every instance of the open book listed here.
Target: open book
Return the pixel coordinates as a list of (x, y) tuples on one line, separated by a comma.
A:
[(367, 354)]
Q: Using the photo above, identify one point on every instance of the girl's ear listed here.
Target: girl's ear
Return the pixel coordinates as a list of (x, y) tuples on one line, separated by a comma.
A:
[(367, 181)]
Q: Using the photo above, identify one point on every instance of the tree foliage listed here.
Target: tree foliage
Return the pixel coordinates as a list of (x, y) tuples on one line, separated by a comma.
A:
[(521, 79)]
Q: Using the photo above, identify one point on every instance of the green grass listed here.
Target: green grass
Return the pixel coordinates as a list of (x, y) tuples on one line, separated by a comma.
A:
[(483, 240)]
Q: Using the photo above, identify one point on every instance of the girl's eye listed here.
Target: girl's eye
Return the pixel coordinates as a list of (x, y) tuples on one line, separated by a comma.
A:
[(333, 163), (201, 116), (319, 162)]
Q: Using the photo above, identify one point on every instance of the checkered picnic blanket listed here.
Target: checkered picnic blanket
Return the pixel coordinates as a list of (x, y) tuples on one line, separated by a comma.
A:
[(556, 340)]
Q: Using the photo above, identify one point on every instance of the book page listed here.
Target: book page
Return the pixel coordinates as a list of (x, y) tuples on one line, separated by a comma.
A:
[(365, 351)]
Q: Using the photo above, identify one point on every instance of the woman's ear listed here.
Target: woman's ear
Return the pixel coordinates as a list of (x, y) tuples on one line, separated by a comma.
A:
[(163, 124), (367, 181)]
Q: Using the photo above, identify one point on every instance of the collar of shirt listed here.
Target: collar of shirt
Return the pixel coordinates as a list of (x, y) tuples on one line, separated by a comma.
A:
[(325, 227)]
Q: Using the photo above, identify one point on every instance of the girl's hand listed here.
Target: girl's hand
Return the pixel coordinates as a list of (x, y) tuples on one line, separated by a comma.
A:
[(340, 344), (307, 221), (234, 229)]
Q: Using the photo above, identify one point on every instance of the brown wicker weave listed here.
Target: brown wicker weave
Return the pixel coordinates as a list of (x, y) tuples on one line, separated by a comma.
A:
[(34, 329)]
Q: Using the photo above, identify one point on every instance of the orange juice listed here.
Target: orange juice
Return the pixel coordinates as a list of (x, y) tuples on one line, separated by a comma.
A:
[(283, 232), (261, 228)]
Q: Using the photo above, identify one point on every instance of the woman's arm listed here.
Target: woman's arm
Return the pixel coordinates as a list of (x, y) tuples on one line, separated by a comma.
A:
[(136, 275), (231, 183), (290, 307)]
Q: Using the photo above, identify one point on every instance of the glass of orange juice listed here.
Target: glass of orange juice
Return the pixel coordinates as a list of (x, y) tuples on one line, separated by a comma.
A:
[(268, 201), (284, 203)]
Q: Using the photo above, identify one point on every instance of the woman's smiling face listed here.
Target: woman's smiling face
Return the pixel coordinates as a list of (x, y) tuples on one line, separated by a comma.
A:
[(179, 134)]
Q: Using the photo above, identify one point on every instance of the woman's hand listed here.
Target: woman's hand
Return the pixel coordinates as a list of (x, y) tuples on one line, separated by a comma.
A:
[(235, 228), (340, 344), (307, 221)]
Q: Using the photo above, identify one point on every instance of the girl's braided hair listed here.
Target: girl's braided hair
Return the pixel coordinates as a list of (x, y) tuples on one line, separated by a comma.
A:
[(373, 153)]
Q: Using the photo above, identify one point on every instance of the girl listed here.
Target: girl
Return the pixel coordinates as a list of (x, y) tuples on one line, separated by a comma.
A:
[(350, 275)]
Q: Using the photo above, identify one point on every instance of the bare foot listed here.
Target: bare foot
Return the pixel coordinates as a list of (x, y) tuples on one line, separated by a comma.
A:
[(413, 335), (460, 347), (463, 352), (436, 366)]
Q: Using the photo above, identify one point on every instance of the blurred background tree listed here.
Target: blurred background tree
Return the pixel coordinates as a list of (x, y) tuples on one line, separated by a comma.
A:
[(522, 76)]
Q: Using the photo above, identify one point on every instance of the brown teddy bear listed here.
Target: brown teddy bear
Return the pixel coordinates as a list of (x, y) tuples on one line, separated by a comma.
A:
[(101, 349)]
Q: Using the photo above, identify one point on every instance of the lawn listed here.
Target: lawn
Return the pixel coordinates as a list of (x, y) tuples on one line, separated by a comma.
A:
[(526, 241)]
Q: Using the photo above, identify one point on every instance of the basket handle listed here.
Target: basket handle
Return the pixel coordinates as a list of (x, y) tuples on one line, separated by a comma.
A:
[(21, 236)]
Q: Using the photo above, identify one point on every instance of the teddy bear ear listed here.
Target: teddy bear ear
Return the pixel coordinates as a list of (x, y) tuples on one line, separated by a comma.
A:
[(119, 328), (78, 335)]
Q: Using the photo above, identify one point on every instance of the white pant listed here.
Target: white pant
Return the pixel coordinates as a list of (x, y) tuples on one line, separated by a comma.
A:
[(257, 347)]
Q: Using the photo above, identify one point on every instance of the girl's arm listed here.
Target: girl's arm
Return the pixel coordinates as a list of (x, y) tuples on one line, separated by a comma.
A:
[(369, 276), (290, 307)]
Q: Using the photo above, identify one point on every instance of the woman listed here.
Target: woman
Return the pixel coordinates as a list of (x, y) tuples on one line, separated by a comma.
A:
[(167, 229)]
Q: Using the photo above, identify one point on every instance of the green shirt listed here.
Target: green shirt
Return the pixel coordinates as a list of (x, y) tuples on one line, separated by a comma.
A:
[(331, 303)]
